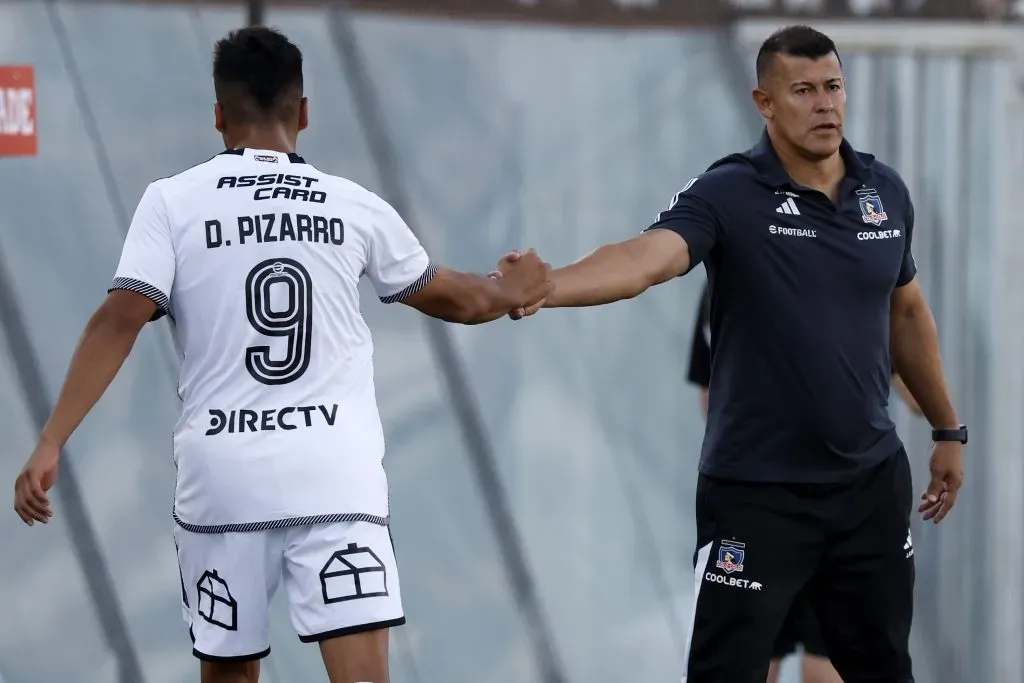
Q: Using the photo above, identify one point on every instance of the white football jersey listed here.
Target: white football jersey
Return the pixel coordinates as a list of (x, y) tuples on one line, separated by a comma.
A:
[(256, 257)]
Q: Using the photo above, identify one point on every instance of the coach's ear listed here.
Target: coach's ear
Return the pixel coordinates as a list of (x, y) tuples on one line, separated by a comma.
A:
[(218, 118), (304, 113), (763, 102)]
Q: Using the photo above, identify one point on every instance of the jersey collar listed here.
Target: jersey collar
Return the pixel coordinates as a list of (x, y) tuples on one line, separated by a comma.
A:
[(292, 156), (764, 159)]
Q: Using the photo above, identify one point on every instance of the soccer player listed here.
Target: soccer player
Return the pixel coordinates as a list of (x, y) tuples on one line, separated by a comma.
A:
[(256, 255), (804, 484)]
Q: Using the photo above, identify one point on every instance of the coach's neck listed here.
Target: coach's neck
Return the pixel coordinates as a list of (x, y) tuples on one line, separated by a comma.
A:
[(822, 174)]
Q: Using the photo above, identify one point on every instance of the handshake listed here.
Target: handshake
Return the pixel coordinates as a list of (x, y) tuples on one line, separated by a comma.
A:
[(526, 280)]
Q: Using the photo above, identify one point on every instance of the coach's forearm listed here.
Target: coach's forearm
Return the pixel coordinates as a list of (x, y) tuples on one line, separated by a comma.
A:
[(603, 276), (917, 359), (103, 348)]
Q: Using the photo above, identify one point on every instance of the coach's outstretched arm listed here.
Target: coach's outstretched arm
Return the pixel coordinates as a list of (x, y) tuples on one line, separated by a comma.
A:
[(680, 238), (619, 271)]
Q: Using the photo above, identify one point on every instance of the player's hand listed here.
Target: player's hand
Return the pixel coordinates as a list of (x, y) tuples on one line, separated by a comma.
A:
[(506, 264), (31, 501), (947, 468)]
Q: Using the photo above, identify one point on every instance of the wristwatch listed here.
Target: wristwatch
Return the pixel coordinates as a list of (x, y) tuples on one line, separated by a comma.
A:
[(959, 434)]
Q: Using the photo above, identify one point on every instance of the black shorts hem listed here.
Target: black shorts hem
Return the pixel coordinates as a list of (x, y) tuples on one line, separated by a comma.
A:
[(241, 658), (351, 630), (815, 651), (812, 649), (783, 652)]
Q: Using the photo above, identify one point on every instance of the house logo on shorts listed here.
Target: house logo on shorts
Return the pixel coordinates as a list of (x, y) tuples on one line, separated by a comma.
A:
[(871, 206), (352, 574), (216, 606), (730, 556)]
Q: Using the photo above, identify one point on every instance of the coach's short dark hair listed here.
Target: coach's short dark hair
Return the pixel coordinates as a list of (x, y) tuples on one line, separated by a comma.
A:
[(257, 74), (796, 41)]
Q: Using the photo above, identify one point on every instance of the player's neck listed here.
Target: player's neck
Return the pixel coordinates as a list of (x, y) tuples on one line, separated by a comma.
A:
[(271, 138), (823, 175)]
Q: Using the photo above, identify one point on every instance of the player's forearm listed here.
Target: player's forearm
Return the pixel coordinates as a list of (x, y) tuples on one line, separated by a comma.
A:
[(481, 300), (101, 351), (605, 275), (494, 302), (917, 359)]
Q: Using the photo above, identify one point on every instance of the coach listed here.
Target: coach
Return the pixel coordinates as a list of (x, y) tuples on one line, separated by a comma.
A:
[(804, 484)]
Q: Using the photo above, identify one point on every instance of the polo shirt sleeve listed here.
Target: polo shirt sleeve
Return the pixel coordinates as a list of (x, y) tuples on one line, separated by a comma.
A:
[(909, 267), (691, 216)]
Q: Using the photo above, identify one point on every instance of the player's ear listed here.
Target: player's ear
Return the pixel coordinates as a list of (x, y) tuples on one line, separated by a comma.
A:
[(304, 113), (218, 118), (763, 102)]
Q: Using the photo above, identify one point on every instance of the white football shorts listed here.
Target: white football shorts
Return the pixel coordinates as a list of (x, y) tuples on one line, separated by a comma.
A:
[(340, 578)]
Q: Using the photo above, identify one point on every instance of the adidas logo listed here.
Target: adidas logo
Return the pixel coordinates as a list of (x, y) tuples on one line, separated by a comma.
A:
[(788, 207), (908, 547)]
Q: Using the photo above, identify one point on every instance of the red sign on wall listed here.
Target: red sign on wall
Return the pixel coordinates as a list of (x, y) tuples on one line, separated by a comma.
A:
[(18, 136)]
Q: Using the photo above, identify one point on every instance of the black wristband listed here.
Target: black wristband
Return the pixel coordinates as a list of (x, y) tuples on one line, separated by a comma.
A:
[(959, 434)]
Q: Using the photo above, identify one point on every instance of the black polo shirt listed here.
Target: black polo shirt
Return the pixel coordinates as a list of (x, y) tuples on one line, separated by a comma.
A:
[(800, 297)]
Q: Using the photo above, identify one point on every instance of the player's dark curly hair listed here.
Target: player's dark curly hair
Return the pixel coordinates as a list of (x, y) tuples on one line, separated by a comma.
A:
[(257, 75), (796, 41)]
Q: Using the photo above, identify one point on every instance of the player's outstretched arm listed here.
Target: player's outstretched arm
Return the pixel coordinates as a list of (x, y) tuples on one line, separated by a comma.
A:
[(615, 271), (472, 299), (106, 342)]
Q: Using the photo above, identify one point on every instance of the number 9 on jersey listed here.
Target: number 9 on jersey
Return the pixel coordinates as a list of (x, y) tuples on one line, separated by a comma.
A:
[(293, 320)]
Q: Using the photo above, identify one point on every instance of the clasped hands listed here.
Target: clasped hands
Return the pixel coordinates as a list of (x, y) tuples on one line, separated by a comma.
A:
[(529, 276)]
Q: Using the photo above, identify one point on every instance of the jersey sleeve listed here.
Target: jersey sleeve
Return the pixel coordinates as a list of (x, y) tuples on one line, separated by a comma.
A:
[(147, 259), (397, 264), (908, 269), (691, 216)]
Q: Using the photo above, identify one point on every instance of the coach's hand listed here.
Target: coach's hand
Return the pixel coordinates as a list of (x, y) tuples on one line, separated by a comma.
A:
[(40, 473), (947, 468), (503, 266)]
